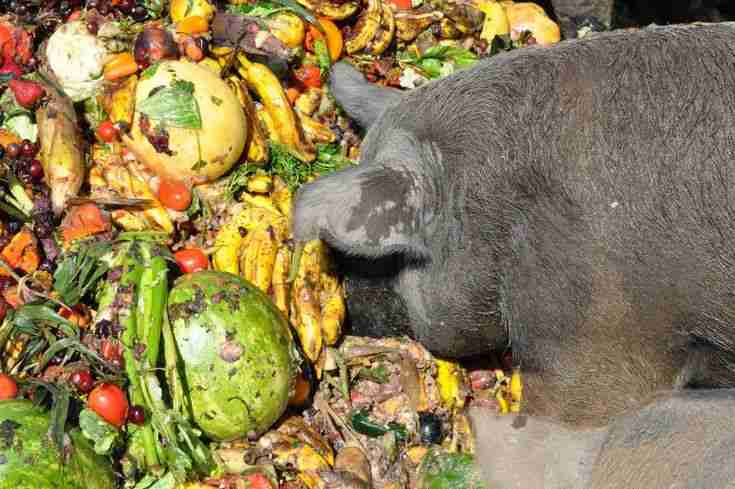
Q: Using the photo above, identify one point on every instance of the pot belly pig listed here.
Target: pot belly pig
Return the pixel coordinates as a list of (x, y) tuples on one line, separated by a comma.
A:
[(682, 440), (575, 202)]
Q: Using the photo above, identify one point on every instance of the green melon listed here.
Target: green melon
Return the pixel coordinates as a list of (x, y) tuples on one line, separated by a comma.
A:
[(29, 460), (237, 353)]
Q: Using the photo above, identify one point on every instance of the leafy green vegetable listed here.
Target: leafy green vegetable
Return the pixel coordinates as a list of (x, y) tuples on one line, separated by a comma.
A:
[(174, 106), (103, 435), (80, 270), (295, 172), (440, 60), (23, 126)]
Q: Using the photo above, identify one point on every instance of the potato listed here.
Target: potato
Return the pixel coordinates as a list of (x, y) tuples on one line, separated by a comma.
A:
[(194, 155)]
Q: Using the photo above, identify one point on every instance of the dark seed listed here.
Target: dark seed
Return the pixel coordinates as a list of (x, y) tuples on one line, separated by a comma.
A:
[(430, 428)]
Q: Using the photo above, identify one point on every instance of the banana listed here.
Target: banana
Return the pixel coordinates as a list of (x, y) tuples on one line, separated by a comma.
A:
[(309, 101), (366, 27), (260, 184), (280, 287), (122, 101), (305, 298), (386, 31), (282, 197), (61, 152), (331, 10), (256, 144), (262, 80), (266, 260), (229, 239), (289, 453), (449, 29), (516, 390), (249, 255), (262, 201), (316, 132), (333, 315), (410, 25), (451, 385)]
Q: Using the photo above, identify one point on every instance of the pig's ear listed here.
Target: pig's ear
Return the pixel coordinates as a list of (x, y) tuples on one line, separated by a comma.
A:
[(361, 100), (363, 211)]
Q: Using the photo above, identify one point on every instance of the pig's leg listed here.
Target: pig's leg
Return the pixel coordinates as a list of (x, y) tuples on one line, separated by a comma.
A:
[(567, 10), (519, 452)]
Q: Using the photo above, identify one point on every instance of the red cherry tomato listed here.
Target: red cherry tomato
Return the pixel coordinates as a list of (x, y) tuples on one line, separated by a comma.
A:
[(8, 387), (310, 76), (110, 404), (191, 260), (174, 195), (107, 132)]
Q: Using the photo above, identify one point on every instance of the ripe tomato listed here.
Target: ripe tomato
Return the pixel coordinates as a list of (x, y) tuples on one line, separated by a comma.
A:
[(110, 404), (310, 76), (8, 387), (174, 195), (107, 132), (191, 260)]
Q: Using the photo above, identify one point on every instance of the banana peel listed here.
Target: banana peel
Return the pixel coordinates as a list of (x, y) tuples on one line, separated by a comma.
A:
[(229, 239), (257, 144), (330, 10), (496, 20), (62, 148), (409, 24), (366, 28), (315, 132), (285, 125), (385, 33), (450, 379), (120, 103)]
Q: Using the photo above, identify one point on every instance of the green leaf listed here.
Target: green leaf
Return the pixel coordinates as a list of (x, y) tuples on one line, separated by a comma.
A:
[(59, 413), (267, 8), (22, 126), (80, 270), (174, 106), (150, 71), (98, 431), (238, 179), (93, 112)]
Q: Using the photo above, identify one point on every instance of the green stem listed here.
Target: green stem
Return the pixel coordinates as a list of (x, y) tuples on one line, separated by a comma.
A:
[(173, 374), (130, 281), (151, 304)]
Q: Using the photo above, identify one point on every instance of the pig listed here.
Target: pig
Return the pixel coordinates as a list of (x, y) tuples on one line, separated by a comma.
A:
[(575, 203), (680, 440)]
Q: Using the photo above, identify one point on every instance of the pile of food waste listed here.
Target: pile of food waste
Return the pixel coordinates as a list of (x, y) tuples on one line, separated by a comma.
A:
[(160, 326)]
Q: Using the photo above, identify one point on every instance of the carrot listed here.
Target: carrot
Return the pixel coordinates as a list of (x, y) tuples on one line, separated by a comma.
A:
[(83, 221), (120, 66), (192, 25), (22, 252), (334, 38), (292, 94)]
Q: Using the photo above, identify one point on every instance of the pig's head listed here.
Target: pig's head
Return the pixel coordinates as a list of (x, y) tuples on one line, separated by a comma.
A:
[(393, 221)]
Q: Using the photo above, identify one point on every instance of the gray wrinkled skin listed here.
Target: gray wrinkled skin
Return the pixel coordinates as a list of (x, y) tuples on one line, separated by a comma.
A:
[(679, 441), (576, 202)]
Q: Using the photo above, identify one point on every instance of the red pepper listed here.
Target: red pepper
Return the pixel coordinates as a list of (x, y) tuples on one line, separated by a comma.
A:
[(310, 76)]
